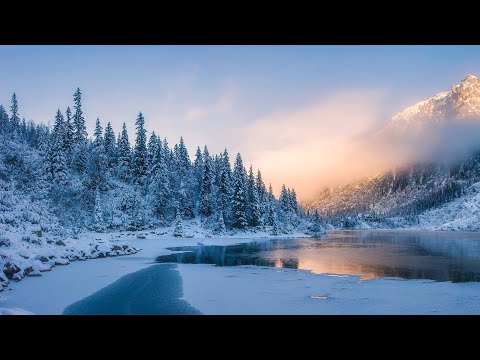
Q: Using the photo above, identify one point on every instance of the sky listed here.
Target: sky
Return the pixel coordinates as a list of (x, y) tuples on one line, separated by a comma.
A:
[(291, 111)]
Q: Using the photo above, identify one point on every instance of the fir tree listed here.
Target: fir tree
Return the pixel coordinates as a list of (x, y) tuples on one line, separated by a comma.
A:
[(197, 172), (184, 162), (220, 227), (262, 192), (254, 215), (57, 164), (207, 194), (226, 187), (97, 211), (14, 118), (275, 227), (98, 134), (152, 150), (140, 151), (69, 131), (80, 134), (3, 120), (284, 200), (293, 201), (124, 156), (97, 159), (159, 190), (59, 129), (239, 205), (109, 145), (317, 224), (178, 231)]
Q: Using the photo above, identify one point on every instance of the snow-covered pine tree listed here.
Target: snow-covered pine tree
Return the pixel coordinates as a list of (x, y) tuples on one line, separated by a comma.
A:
[(56, 163), (69, 132), (125, 167), (3, 120), (184, 162), (140, 151), (294, 202), (226, 189), (97, 160), (80, 134), (97, 210), (220, 226), (14, 118), (239, 201), (178, 231), (254, 216), (160, 194), (317, 228), (262, 194), (272, 216), (109, 146), (197, 174), (80, 148), (271, 207), (152, 150), (98, 134), (207, 191), (284, 200), (59, 130)]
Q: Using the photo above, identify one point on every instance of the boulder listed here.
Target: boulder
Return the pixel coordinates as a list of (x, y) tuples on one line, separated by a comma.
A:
[(60, 243), (37, 232), (4, 241), (43, 259), (116, 248), (10, 270), (141, 237), (27, 271)]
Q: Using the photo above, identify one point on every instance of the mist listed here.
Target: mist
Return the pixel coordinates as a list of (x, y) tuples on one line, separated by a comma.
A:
[(342, 139)]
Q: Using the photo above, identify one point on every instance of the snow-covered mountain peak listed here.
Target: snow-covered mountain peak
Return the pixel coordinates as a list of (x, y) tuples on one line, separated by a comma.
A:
[(462, 102)]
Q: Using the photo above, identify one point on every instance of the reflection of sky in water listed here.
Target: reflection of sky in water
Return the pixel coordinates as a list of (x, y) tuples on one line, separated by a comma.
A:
[(371, 254)]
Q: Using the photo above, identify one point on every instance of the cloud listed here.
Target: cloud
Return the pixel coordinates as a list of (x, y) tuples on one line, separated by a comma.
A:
[(315, 145)]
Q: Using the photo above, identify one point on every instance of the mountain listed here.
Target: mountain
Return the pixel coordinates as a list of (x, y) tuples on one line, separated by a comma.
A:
[(461, 103), (420, 192)]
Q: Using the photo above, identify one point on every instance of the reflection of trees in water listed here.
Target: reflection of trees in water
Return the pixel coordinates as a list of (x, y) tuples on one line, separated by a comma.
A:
[(442, 257)]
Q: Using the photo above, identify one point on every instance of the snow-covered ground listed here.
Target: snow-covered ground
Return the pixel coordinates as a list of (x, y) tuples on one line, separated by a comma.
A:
[(461, 214), (241, 289), (67, 284)]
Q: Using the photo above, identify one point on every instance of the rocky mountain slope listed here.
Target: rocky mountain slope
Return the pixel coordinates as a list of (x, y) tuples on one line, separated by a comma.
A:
[(413, 194)]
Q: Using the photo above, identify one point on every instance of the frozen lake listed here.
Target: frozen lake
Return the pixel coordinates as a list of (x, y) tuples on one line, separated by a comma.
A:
[(343, 272), (436, 256)]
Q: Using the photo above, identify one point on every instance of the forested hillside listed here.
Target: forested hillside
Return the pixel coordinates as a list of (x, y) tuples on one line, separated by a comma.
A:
[(59, 177)]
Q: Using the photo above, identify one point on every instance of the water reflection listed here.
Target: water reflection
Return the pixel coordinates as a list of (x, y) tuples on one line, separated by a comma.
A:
[(371, 254)]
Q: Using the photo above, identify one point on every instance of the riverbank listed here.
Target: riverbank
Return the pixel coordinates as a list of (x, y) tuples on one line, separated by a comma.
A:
[(68, 284)]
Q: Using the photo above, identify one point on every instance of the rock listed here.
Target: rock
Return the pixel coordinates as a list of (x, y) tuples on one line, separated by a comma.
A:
[(10, 270), (116, 248), (49, 241), (37, 232), (35, 273), (32, 240), (27, 271), (61, 261), (60, 243), (43, 259), (4, 241), (141, 236), (125, 247), (131, 228)]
